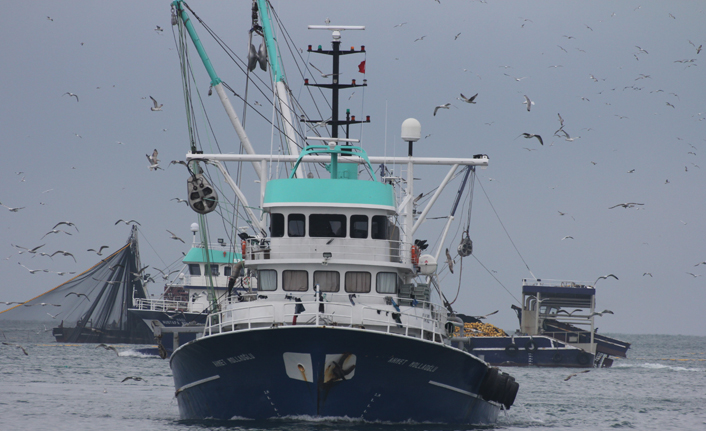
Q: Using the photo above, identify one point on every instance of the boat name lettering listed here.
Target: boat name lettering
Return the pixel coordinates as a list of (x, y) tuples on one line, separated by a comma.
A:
[(424, 367), (397, 361), (234, 359)]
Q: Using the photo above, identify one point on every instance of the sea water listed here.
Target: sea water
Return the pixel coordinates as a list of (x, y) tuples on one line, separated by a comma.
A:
[(661, 386)]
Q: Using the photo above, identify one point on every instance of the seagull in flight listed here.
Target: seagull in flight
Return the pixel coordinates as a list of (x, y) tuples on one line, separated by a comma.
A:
[(135, 378), (107, 347), (567, 237), (32, 250), (444, 106), (694, 275), (175, 237), (154, 161), (65, 253), (576, 374), (449, 261), (625, 205), (531, 135), (71, 95), (323, 75), (128, 222), (55, 231), (468, 99), (604, 277), (516, 79), (483, 317), (18, 346), (528, 102), (78, 295), (67, 223), (99, 252), (31, 271), (13, 210), (180, 200), (156, 107), (596, 313)]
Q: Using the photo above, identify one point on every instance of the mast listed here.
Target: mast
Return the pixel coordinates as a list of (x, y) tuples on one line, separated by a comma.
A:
[(335, 84), (281, 90), (216, 83)]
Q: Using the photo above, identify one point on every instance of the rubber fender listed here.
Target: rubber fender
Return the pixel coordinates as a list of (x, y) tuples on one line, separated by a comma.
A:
[(531, 346), (488, 384), (511, 349), (499, 389), (557, 358), (510, 393)]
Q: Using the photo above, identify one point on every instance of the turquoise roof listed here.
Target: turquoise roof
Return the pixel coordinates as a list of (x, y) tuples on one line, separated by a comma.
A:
[(198, 255), (326, 190)]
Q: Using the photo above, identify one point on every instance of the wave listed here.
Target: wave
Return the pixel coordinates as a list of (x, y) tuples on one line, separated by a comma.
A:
[(655, 366), (139, 353)]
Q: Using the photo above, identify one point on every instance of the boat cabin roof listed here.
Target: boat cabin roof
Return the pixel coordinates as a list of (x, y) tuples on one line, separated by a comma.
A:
[(329, 193)]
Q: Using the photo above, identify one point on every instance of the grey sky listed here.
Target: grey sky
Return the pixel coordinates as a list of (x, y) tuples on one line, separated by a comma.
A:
[(641, 111)]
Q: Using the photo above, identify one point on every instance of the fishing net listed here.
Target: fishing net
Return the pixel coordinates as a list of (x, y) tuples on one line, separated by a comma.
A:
[(93, 306)]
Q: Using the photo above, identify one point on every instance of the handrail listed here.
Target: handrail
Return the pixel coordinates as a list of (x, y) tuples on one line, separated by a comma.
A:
[(344, 315)]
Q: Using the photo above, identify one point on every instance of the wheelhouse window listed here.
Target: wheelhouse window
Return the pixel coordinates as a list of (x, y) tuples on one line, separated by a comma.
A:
[(267, 280), (296, 225), (295, 281), (357, 282), (386, 282), (327, 225), (194, 269), (379, 227), (359, 226), (277, 225), (214, 270), (227, 270), (328, 281)]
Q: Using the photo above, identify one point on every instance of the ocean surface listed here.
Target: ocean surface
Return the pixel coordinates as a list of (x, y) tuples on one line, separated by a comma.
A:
[(661, 386)]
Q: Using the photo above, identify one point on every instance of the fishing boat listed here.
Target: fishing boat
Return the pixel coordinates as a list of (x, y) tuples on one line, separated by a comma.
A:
[(92, 306), (557, 329), (347, 318), (180, 312)]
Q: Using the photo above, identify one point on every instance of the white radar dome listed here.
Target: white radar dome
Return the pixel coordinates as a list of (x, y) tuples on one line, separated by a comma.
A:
[(411, 130)]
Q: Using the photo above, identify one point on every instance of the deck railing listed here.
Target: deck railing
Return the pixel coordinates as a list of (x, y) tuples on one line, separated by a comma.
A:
[(421, 321), (339, 248), (160, 304)]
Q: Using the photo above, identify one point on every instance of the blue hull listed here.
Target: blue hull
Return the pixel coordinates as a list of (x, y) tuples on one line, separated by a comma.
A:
[(328, 372), (525, 351), (171, 320)]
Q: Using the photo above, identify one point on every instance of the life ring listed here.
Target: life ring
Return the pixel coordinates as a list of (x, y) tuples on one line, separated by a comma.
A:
[(511, 349), (583, 358), (243, 244), (531, 346), (246, 282), (557, 358)]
